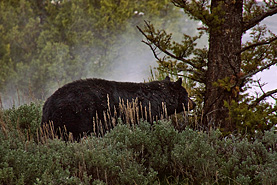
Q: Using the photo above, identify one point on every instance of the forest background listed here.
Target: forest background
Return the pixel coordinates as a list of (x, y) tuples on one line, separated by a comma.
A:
[(45, 44)]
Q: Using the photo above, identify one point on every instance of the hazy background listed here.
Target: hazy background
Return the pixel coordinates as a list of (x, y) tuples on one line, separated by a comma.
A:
[(73, 46), (46, 44)]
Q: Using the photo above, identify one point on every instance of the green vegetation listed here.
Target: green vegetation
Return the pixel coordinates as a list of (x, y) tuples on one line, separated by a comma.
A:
[(222, 74), (145, 154), (45, 44)]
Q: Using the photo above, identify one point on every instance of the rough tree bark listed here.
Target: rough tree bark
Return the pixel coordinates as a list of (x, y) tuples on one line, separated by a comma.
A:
[(224, 62)]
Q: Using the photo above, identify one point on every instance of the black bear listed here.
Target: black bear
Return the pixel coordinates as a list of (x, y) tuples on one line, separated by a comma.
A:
[(77, 105)]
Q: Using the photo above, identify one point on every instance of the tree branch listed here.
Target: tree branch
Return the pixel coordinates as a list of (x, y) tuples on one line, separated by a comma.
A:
[(258, 70), (188, 77), (261, 87), (196, 9), (258, 100), (257, 44), (251, 23), (152, 41), (189, 70)]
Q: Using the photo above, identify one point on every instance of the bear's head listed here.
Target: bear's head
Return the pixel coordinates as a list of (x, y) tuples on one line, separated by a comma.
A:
[(183, 99)]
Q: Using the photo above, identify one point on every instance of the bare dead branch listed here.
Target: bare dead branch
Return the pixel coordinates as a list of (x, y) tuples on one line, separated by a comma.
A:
[(258, 44), (151, 41), (186, 76), (261, 87), (253, 22), (203, 28), (160, 60), (153, 50), (265, 95)]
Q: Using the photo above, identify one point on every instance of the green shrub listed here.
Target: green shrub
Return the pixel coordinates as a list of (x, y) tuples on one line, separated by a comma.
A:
[(144, 154), (195, 156), (26, 118)]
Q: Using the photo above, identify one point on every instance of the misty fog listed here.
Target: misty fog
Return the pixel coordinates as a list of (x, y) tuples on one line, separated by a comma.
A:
[(136, 58), (131, 61)]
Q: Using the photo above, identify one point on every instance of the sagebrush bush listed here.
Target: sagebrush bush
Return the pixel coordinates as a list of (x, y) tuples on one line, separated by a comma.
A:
[(144, 154)]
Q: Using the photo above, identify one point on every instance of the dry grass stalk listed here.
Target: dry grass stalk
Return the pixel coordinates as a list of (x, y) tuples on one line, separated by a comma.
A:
[(1, 103), (94, 126), (129, 112), (3, 125), (47, 131), (150, 115)]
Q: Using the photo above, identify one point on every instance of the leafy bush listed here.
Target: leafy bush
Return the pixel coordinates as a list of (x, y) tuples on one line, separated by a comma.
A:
[(145, 154), (25, 118)]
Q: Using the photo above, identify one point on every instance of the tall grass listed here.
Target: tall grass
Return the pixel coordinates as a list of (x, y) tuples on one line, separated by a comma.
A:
[(130, 113)]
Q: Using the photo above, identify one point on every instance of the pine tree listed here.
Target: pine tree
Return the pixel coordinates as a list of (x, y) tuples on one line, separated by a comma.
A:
[(224, 70)]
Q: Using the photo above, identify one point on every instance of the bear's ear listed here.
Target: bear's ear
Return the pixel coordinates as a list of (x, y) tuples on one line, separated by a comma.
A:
[(167, 78), (179, 82)]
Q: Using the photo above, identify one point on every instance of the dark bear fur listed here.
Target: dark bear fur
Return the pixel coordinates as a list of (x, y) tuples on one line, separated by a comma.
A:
[(75, 104)]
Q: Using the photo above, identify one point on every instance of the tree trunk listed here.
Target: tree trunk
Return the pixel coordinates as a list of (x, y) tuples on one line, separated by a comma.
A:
[(224, 62)]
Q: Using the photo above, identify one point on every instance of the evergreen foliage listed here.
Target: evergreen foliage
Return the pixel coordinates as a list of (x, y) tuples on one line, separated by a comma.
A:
[(222, 75), (45, 44)]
